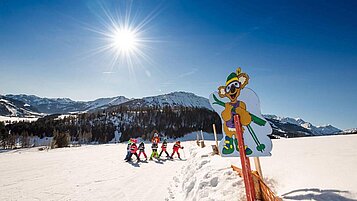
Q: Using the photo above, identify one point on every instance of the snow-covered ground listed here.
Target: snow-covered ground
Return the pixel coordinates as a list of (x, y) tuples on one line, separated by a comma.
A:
[(316, 168)]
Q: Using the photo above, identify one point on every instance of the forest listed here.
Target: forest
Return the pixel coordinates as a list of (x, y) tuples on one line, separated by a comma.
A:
[(100, 126)]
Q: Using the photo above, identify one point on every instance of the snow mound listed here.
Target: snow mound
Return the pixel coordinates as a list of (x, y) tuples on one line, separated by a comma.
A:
[(206, 177)]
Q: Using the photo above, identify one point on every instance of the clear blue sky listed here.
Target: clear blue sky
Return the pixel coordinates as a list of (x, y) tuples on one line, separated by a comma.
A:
[(301, 55)]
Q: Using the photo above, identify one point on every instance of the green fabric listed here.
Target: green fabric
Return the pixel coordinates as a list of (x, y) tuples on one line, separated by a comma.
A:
[(154, 154), (257, 120), (247, 150), (228, 148), (230, 76)]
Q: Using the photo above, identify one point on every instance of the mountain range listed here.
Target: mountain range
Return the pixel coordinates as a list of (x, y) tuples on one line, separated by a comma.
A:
[(33, 106)]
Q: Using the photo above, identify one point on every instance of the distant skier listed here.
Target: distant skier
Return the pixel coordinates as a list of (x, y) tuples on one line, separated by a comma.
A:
[(154, 147), (142, 150), (128, 149), (176, 148), (133, 150), (156, 138), (164, 149)]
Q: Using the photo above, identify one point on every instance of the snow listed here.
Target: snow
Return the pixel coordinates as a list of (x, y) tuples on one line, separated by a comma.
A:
[(93, 172), (62, 116), (314, 168), (206, 177), (351, 130), (17, 119), (100, 102), (318, 168)]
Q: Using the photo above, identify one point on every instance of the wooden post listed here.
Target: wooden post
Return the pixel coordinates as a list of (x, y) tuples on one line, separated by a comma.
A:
[(203, 140), (202, 136), (197, 139), (215, 137), (258, 167), (247, 172)]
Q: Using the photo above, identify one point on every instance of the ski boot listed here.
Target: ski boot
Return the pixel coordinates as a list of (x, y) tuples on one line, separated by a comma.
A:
[(247, 150), (228, 146)]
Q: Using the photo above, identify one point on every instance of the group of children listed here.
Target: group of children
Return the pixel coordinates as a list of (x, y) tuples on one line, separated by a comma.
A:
[(132, 149)]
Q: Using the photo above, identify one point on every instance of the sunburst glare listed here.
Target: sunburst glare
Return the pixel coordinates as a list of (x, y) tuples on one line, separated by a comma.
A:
[(125, 37)]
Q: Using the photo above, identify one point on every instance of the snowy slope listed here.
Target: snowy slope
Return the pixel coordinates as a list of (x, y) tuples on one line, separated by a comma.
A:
[(87, 173), (350, 131), (299, 169), (15, 108), (105, 102), (172, 99), (65, 105)]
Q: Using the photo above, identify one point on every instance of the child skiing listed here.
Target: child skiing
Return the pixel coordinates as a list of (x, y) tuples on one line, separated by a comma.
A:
[(142, 150), (133, 149), (128, 149), (155, 141), (164, 149), (176, 148)]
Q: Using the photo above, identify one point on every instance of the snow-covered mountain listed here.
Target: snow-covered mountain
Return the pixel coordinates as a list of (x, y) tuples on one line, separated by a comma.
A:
[(65, 105), (172, 99), (105, 102), (307, 127), (27, 105), (15, 108), (350, 131)]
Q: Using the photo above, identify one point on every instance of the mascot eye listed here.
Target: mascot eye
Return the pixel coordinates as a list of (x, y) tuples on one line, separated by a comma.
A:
[(236, 84), (228, 88)]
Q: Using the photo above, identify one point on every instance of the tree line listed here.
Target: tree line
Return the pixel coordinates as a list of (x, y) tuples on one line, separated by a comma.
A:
[(100, 126)]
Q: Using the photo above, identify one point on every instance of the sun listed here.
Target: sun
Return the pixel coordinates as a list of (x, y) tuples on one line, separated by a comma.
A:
[(125, 37), (124, 40)]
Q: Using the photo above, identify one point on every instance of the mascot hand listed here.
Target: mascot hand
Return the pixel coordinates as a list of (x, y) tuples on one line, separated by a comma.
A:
[(227, 112), (244, 116)]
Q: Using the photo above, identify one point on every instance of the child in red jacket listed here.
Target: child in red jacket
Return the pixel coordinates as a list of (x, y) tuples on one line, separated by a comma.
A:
[(164, 149), (142, 150), (176, 148)]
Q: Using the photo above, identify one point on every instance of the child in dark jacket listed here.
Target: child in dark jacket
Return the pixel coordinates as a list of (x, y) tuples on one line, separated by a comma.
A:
[(176, 148), (164, 148), (142, 150), (154, 153), (128, 150)]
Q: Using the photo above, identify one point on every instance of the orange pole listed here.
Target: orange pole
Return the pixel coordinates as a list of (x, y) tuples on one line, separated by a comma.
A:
[(247, 172)]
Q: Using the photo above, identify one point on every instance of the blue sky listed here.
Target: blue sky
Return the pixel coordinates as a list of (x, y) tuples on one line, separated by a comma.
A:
[(301, 55)]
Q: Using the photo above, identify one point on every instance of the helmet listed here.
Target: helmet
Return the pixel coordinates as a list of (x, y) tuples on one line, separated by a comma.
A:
[(134, 140), (156, 135), (178, 142)]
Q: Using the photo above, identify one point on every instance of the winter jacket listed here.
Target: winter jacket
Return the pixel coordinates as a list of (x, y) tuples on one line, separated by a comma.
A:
[(155, 140), (141, 146), (133, 148), (164, 146), (177, 147), (154, 146), (128, 147)]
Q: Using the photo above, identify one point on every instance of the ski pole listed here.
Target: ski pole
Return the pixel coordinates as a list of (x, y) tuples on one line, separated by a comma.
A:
[(184, 154)]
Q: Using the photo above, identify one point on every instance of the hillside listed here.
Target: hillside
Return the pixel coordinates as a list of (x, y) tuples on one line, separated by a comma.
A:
[(29, 105)]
